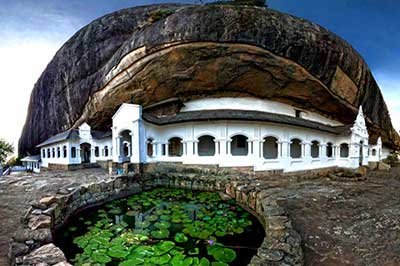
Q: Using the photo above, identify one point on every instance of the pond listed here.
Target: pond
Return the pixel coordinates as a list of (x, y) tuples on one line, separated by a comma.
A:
[(162, 227)]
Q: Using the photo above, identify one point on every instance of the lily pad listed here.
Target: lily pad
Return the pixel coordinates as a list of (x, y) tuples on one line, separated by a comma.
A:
[(162, 233), (119, 252), (162, 225), (165, 246), (180, 238), (132, 262), (222, 254), (100, 257)]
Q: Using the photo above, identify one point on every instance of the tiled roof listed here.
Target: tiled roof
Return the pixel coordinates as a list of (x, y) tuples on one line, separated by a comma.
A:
[(74, 134), (241, 115), (33, 158)]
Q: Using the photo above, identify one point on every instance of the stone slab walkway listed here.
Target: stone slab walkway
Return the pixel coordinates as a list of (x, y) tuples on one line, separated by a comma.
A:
[(18, 192)]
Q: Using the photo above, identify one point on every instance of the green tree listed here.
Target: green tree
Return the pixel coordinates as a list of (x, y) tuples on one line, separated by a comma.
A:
[(251, 2), (6, 149), (241, 2)]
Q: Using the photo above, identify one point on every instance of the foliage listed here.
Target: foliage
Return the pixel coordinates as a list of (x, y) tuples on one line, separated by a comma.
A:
[(392, 159), (13, 161), (6, 149), (159, 14), (161, 227), (242, 2)]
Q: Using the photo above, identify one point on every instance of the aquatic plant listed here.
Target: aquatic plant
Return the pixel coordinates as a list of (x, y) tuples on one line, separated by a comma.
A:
[(161, 227)]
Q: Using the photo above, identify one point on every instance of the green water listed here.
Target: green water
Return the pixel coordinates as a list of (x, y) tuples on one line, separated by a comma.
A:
[(163, 227)]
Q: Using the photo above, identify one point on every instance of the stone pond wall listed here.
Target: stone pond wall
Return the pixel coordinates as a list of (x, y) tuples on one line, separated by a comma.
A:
[(281, 246)]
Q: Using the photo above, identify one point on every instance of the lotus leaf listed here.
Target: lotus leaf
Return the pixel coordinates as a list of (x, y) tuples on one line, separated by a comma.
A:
[(165, 246), (162, 225), (132, 262), (164, 259), (118, 252), (152, 218), (162, 233), (204, 262), (131, 213), (100, 257), (222, 254), (194, 251), (180, 238)]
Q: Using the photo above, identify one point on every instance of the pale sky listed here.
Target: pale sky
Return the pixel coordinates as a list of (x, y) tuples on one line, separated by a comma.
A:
[(32, 31)]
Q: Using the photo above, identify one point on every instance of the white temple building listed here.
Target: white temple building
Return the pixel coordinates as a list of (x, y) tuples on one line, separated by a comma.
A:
[(228, 132)]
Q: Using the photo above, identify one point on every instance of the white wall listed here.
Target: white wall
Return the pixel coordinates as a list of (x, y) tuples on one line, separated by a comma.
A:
[(253, 104), (75, 143), (223, 131)]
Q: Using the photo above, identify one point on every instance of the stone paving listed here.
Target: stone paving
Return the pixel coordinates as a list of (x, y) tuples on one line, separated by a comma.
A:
[(341, 222), (18, 192)]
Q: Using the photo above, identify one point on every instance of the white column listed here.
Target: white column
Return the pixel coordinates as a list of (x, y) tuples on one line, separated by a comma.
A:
[(279, 149), (188, 148), (223, 151), (257, 148), (78, 155), (216, 143), (307, 153), (154, 149), (92, 157), (228, 147), (167, 149), (196, 148)]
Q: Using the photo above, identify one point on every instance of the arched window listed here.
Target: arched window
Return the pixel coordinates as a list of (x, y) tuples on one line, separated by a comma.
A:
[(48, 153), (73, 152), (53, 152), (373, 152), (315, 149), (65, 151), (58, 152), (43, 153), (239, 146), (270, 148), (206, 146), (150, 151), (175, 147), (105, 151), (295, 148), (96, 151), (344, 150), (329, 150)]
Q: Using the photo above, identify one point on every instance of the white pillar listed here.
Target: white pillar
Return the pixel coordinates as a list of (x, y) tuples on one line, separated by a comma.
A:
[(92, 157), (216, 143), (228, 145), (196, 148), (78, 155), (279, 149), (223, 151), (257, 148), (167, 149)]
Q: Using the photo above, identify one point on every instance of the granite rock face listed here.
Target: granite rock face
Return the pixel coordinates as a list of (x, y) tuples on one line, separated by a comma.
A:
[(152, 53)]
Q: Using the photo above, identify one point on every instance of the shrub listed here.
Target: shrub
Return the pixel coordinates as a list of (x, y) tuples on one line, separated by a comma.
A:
[(392, 159)]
